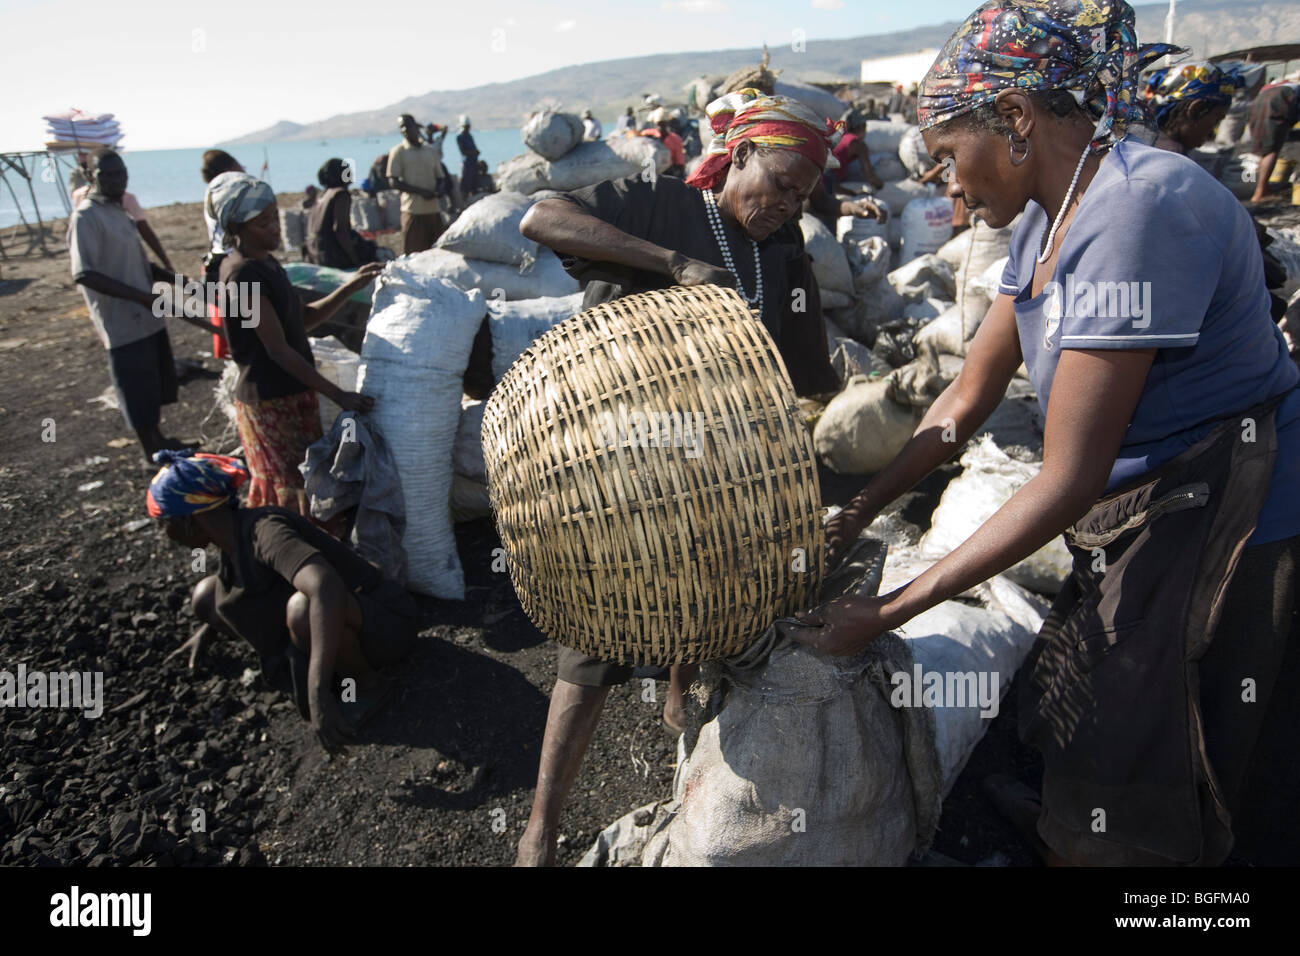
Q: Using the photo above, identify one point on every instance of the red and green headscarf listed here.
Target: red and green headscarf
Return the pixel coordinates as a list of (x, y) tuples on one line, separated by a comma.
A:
[(1087, 47), (189, 483), (776, 122)]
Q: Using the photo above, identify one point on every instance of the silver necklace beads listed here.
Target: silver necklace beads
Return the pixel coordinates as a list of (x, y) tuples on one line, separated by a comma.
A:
[(719, 234)]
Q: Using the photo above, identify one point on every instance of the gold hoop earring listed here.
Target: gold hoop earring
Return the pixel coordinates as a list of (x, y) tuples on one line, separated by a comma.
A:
[(1011, 141)]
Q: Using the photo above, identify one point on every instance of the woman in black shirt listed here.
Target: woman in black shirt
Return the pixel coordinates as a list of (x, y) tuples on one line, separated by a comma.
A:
[(275, 399)]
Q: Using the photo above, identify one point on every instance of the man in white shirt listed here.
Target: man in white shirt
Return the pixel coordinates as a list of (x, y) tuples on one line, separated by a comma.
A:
[(591, 129), (415, 168), (116, 280)]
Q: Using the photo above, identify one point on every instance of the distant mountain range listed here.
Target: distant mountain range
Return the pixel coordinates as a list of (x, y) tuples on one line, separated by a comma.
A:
[(1207, 27)]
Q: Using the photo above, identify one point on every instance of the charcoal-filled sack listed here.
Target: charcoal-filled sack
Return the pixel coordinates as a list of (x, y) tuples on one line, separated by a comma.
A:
[(489, 230), (496, 280), (585, 165), (863, 427), (830, 267), (366, 216), (988, 480), (885, 136), (338, 363), (912, 152), (293, 228), (515, 325), (413, 360), (552, 135)]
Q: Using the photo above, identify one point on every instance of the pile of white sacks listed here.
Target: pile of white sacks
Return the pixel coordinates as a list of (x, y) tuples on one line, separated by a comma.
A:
[(558, 159), (427, 310)]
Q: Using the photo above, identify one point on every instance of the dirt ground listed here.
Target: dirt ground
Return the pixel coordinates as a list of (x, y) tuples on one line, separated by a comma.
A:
[(444, 776)]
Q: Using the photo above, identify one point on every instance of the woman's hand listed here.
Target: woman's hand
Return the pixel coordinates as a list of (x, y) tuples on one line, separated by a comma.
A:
[(843, 626), (687, 271), (327, 719), (364, 275), (355, 402), (864, 208), (842, 531)]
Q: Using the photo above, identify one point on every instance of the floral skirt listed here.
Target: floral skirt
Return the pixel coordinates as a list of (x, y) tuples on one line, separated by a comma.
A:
[(275, 433)]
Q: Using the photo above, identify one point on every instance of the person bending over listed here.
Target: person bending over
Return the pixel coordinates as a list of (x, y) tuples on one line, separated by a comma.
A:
[(318, 615)]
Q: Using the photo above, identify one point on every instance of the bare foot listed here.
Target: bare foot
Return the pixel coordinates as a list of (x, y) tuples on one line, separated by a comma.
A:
[(535, 848)]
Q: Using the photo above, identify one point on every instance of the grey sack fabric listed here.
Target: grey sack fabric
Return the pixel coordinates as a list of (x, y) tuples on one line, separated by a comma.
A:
[(360, 472)]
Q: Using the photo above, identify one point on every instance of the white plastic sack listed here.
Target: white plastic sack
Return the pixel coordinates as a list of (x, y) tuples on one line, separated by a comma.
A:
[(390, 208), (293, 228), (988, 480), (888, 167), (416, 348), (338, 363), (365, 214), (496, 280), (863, 428), (885, 136), (1286, 250), (830, 267), (944, 332), (586, 165), (926, 310), (982, 648), (927, 225), (489, 230), (924, 277), (552, 135), (515, 325), (858, 228), (868, 261), (912, 154), (816, 99), (467, 455), (899, 195)]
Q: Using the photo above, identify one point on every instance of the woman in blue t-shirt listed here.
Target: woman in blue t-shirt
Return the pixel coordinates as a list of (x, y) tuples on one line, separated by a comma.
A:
[(1134, 295)]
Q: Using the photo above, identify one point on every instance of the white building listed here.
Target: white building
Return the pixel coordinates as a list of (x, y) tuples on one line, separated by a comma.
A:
[(905, 68)]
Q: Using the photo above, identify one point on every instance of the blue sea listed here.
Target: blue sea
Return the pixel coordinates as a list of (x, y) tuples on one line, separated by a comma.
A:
[(159, 177)]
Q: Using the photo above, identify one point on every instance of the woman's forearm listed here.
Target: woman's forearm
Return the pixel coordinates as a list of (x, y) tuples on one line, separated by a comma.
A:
[(324, 309), (1041, 510), (946, 427), (569, 231), (305, 372)]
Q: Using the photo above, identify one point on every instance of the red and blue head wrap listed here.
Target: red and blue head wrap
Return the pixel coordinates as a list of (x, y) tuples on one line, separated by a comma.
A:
[(1086, 47), (189, 483), (777, 122)]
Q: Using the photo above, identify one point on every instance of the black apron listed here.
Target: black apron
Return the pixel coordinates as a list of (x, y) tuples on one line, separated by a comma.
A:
[(1112, 696)]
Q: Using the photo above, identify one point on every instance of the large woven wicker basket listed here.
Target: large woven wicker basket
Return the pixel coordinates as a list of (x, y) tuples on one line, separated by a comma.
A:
[(644, 540)]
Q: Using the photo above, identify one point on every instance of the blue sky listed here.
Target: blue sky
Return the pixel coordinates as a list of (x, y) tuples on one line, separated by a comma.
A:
[(181, 74)]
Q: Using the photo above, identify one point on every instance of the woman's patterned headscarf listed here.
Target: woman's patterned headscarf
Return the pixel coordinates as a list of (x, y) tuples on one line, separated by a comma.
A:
[(773, 121), (188, 484), (235, 197), (1190, 82), (1087, 47)]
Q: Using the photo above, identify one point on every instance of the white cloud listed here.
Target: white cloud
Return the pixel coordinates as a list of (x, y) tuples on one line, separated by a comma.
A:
[(694, 6), (564, 26), (828, 4)]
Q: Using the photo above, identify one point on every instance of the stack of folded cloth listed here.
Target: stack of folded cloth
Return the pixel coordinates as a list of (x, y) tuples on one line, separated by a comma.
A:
[(76, 128)]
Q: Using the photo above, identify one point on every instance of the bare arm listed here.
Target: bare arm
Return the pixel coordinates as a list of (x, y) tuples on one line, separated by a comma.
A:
[(271, 334), (327, 596), (323, 309), (106, 285), (991, 361), (570, 231), (1095, 393), (151, 240)]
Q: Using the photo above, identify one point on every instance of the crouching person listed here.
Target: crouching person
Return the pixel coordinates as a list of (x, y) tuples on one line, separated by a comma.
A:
[(322, 619)]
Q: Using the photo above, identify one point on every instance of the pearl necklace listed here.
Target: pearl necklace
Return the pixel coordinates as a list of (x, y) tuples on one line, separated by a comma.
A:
[(719, 233)]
